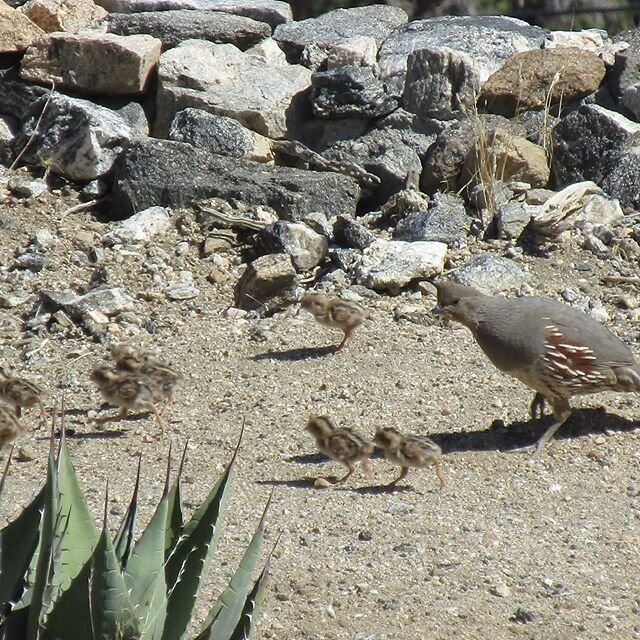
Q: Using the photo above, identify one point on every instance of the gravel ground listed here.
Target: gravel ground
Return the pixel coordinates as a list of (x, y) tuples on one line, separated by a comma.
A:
[(511, 547)]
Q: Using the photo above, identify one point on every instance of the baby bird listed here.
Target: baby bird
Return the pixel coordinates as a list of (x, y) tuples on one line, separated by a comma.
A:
[(10, 427), (164, 377), (408, 451), (22, 394), (131, 391), (334, 312), (343, 445)]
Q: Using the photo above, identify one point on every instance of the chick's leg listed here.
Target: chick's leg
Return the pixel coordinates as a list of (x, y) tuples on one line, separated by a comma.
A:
[(438, 470), (347, 475), (347, 333), (367, 469), (403, 474)]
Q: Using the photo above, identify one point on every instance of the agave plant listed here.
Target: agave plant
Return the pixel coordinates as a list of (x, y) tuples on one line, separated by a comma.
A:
[(61, 578)]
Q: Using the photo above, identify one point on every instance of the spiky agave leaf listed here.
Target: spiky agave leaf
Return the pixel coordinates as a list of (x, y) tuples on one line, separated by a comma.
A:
[(72, 538), (191, 553), (123, 542), (145, 578), (253, 604), (20, 536), (225, 614), (112, 611), (175, 519)]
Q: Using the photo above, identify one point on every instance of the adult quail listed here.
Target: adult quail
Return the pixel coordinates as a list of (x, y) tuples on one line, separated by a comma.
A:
[(555, 349)]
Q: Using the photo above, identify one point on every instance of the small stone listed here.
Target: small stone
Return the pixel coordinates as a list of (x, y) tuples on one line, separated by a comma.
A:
[(215, 244), (182, 291), (14, 298), (217, 276), (25, 453), (365, 536), (501, 589), (322, 483)]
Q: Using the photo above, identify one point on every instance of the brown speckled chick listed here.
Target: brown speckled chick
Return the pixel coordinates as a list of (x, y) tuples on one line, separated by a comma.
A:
[(408, 451), (22, 394), (335, 313), (133, 360), (130, 391), (10, 427), (343, 445)]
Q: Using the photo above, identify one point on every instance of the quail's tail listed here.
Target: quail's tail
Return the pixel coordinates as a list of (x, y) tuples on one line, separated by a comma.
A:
[(628, 378)]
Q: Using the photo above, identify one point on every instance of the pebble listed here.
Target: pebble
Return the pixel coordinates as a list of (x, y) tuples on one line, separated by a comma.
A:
[(501, 589), (26, 453), (182, 291)]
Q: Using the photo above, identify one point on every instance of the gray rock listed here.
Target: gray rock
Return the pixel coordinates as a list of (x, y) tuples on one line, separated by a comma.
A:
[(263, 279), (32, 260), (335, 27), (273, 12), (92, 62), (173, 27), (8, 128), (75, 138), (306, 247), (160, 172), (624, 78), (446, 156), (622, 181), (585, 144), (106, 301), (16, 97), (140, 227), (446, 220), (182, 291), (349, 92), (220, 135), (511, 220), (490, 274), (351, 233), (416, 133), (384, 154), (488, 40), (267, 98), (390, 265), (23, 186), (440, 83)]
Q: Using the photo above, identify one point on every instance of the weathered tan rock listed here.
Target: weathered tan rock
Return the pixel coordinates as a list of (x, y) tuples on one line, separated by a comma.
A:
[(62, 15), (532, 79), (92, 63), (505, 156), (17, 32)]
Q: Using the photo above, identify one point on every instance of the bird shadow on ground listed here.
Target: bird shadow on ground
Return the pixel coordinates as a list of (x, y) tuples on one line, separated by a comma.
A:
[(298, 483), (524, 433), (295, 354), (320, 458), (377, 489)]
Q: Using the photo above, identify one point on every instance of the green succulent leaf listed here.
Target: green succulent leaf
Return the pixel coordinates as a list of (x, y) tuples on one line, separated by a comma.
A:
[(20, 536), (175, 518), (225, 614), (190, 556), (144, 575), (252, 606), (112, 613), (123, 542)]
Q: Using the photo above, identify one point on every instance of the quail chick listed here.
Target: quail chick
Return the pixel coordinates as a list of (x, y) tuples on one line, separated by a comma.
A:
[(343, 445), (22, 394), (10, 427), (409, 451), (165, 378), (334, 312), (554, 349), (131, 391)]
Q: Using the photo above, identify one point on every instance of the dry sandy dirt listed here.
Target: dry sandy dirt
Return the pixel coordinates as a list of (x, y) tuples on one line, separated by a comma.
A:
[(511, 548)]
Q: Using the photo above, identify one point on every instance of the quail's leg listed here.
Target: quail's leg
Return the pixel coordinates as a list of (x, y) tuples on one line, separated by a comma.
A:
[(537, 406), (43, 412), (347, 333), (561, 412), (119, 416), (438, 469), (367, 470), (403, 474), (347, 475), (159, 419)]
